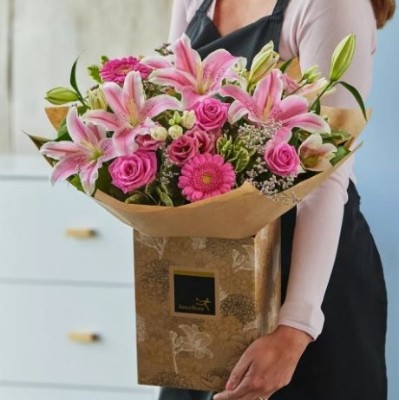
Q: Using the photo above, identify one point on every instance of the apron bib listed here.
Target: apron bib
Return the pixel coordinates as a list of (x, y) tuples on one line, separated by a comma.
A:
[(347, 361)]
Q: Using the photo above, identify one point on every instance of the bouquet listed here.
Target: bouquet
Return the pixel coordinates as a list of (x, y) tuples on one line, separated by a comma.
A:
[(201, 158), (172, 130)]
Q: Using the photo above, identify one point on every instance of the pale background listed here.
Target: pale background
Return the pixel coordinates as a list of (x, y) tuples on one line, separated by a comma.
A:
[(40, 39)]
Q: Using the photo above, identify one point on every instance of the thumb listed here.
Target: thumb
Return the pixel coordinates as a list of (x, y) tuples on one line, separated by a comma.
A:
[(238, 373)]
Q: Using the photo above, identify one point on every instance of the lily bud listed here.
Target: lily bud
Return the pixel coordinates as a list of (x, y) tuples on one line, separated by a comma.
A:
[(188, 119), (159, 133), (96, 100), (263, 62), (312, 74), (342, 57), (61, 95), (175, 131)]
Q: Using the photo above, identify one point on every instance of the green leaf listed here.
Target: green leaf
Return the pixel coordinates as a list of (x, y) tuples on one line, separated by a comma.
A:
[(165, 199), (104, 59), (336, 137), (285, 65), (76, 182), (104, 179), (94, 72), (73, 82), (356, 95), (242, 160), (339, 155)]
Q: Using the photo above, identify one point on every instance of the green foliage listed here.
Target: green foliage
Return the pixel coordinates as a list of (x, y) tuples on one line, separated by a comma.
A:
[(94, 73), (341, 153), (233, 152), (356, 95), (76, 182), (336, 137)]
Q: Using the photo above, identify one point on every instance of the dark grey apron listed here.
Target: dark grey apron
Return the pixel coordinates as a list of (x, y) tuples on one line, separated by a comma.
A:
[(347, 361)]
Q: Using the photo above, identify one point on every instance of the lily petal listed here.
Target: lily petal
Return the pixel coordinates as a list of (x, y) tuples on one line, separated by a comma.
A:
[(76, 127), (158, 104), (124, 141), (89, 175), (156, 62), (237, 93), (108, 120), (67, 167), (57, 150), (268, 91), (236, 111), (215, 67), (186, 58), (172, 77), (309, 122), (114, 96), (108, 148), (133, 93)]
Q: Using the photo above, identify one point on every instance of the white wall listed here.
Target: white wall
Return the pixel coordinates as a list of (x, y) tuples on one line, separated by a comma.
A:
[(47, 36)]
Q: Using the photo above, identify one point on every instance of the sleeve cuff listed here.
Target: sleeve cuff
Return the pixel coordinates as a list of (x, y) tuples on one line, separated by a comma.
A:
[(304, 317)]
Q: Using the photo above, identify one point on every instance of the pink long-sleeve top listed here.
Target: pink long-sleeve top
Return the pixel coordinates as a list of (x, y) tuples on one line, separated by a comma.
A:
[(311, 31)]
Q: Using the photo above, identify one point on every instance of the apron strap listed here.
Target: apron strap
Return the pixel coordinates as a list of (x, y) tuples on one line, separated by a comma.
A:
[(280, 6), (205, 6)]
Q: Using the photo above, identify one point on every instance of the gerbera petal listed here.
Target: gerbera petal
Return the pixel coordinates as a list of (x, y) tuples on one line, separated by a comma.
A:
[(186, 58), (108, 120), (57, 150), (158, 104), (89, 175), (76, 128), (215, 68)]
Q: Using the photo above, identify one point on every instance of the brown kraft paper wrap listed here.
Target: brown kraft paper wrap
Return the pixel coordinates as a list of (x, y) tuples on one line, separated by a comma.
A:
[(200, 302), (207, 274)]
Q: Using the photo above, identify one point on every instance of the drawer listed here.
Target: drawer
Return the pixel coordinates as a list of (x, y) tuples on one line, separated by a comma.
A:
[(34, 220), (16, 393), (35, 322)]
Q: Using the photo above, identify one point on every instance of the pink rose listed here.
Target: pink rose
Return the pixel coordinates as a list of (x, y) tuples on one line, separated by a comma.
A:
[(134, 171), (206, 140), (281, 158), (147, 143), (183, 149), (210, 113)]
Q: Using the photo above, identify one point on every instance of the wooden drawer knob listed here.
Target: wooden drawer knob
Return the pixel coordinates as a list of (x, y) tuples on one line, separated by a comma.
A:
[(83, 337), (81, 233)]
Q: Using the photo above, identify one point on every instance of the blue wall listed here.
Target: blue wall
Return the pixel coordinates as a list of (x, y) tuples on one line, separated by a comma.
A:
[(377, 170)]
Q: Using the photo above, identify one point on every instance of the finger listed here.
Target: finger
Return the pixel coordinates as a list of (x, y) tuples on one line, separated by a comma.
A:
[(238, 373)]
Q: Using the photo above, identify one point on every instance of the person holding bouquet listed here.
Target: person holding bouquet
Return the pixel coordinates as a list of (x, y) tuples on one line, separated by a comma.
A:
[(330, 340)]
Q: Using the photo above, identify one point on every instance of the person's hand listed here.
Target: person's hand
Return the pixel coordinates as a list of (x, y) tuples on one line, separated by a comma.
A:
[(266, 366)]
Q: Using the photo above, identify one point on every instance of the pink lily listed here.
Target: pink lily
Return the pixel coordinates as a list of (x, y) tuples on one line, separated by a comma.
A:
[(85, 155), (132, 112), (194, 78), (266, 105)]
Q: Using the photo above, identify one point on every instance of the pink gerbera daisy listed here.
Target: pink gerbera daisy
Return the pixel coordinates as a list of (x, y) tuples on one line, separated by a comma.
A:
[(206, 175), (117, 69)]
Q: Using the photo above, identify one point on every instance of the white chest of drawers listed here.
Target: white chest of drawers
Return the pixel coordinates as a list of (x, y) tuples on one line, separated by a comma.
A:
[(67, 326)]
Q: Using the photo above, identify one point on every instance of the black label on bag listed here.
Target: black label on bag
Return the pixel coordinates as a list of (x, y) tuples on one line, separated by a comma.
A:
[(194, 292)]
